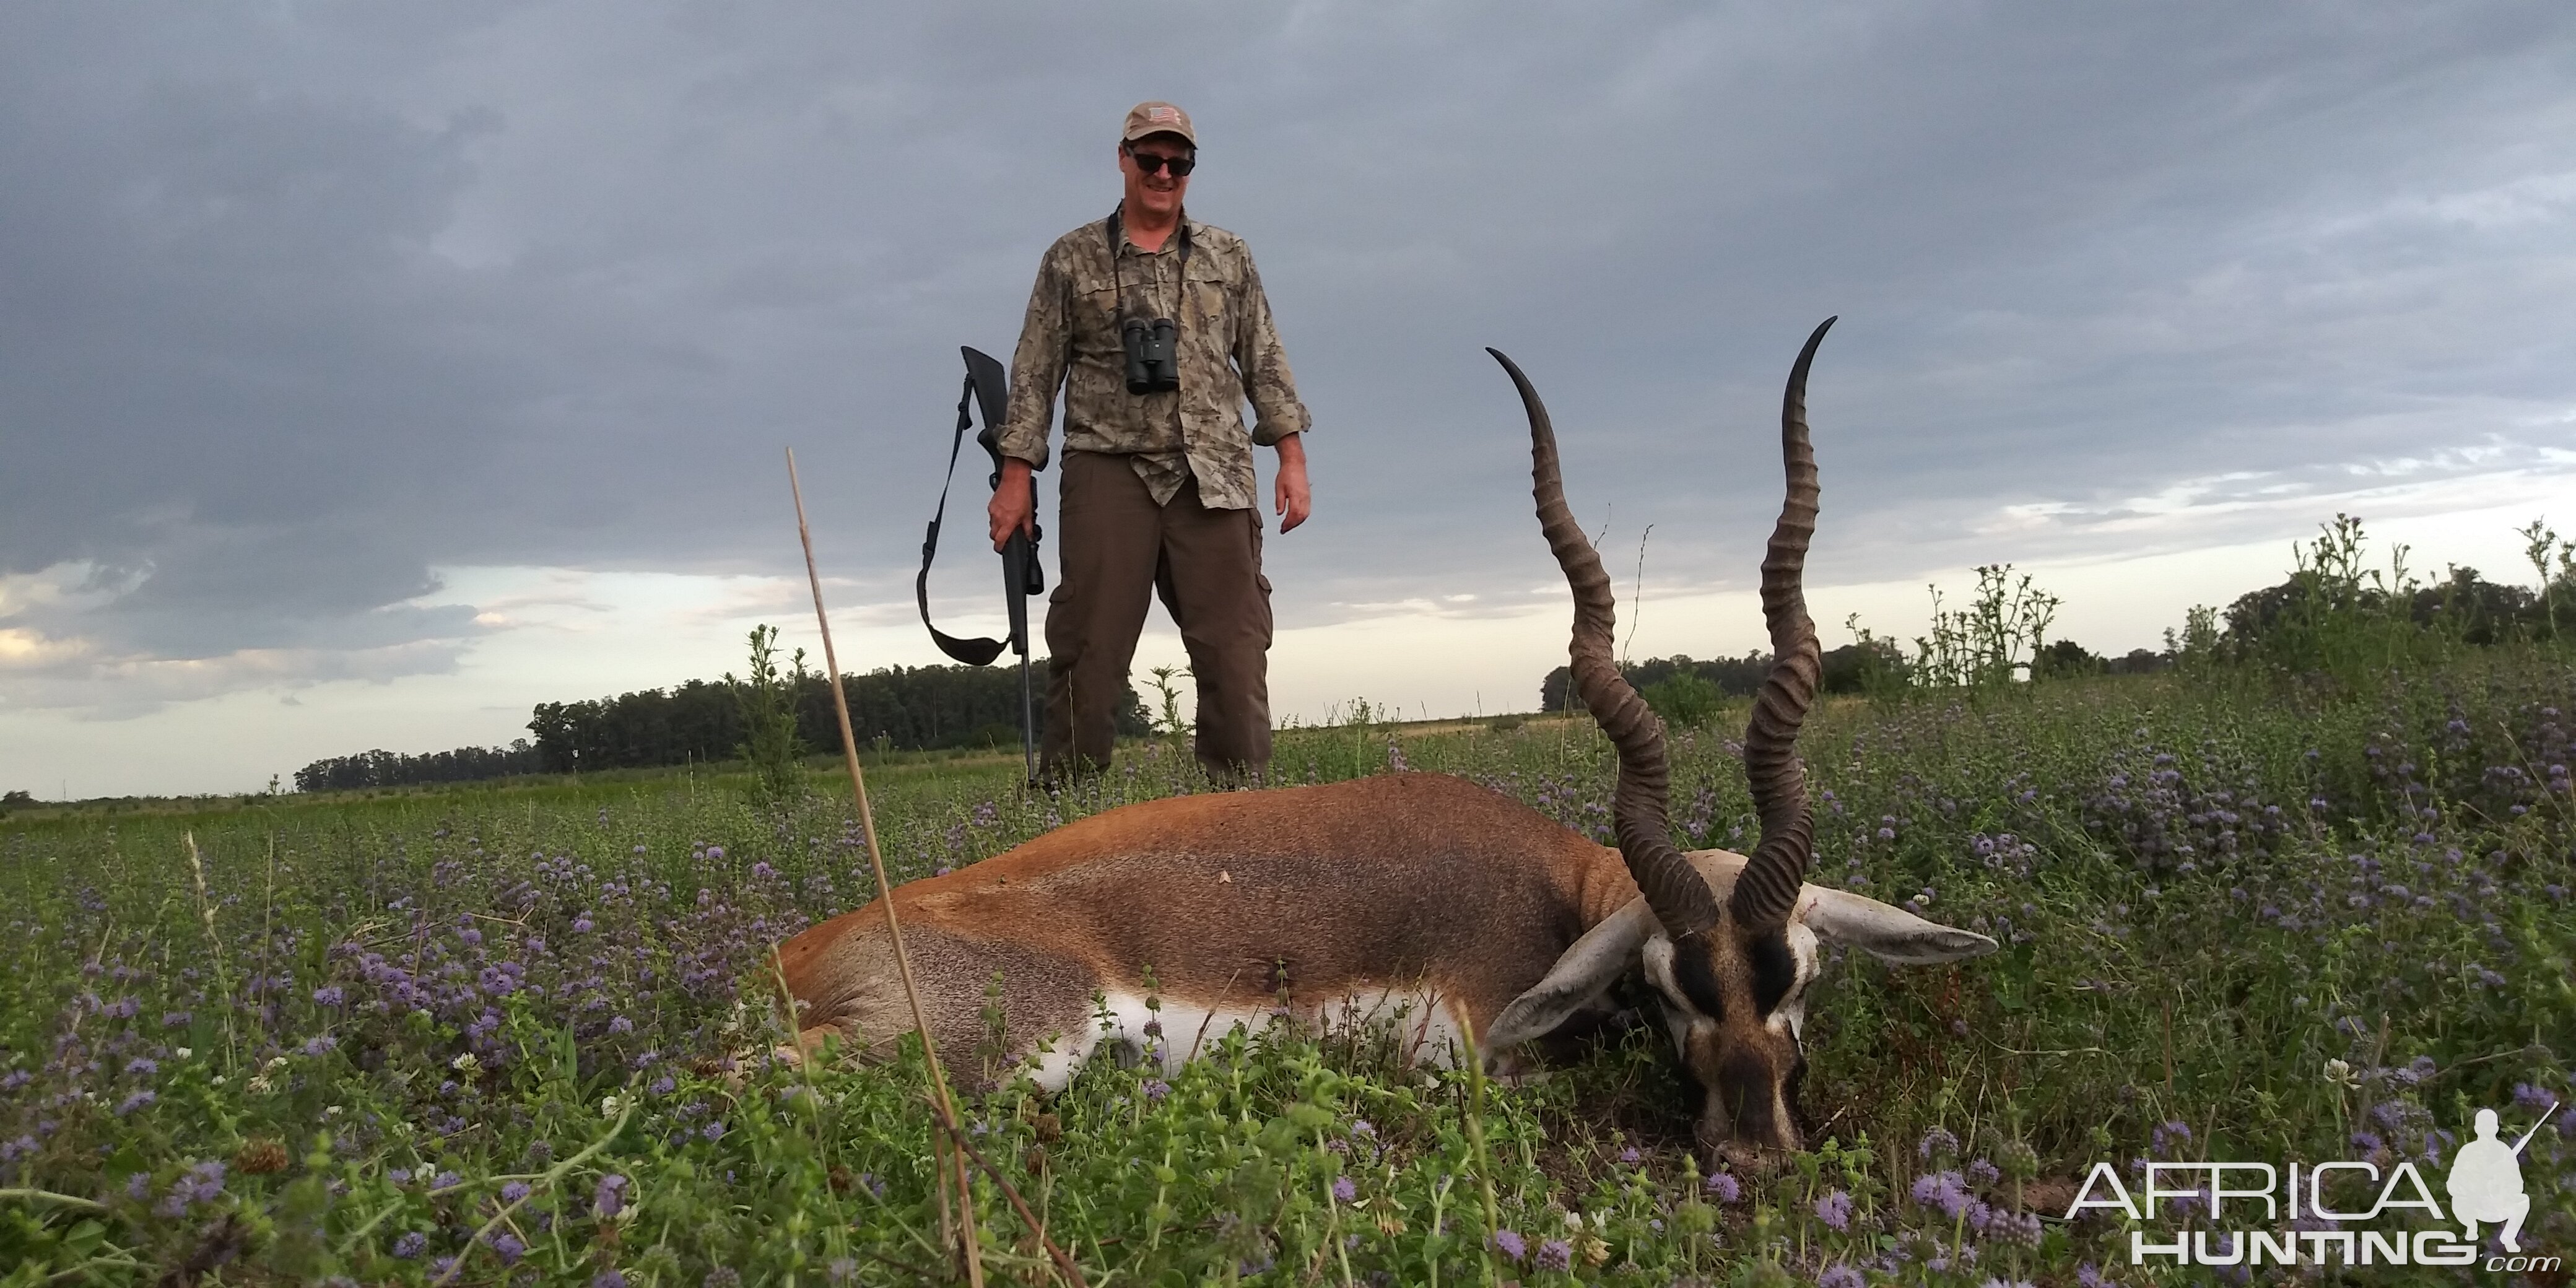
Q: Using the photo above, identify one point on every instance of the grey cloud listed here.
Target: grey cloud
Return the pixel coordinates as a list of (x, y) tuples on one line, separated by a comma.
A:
[(307, 302)]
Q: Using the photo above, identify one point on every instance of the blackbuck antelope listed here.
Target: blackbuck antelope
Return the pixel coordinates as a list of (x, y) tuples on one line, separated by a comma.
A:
[(1417, 899)]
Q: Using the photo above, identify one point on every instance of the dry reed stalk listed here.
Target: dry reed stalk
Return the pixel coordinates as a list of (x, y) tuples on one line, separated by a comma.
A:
[(214, 944), (940, 1103)]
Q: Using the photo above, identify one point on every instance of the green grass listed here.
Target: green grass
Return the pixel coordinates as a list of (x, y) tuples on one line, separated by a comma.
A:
[(2210, 889)]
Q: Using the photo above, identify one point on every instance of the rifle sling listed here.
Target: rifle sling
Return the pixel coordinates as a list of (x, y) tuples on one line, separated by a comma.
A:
[(972, 652)]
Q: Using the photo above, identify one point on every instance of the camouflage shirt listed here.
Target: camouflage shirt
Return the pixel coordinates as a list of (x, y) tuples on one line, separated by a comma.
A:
[(1229, 352)]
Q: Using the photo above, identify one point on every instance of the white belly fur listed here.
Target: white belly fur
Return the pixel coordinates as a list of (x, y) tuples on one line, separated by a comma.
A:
[(1421, 1021)]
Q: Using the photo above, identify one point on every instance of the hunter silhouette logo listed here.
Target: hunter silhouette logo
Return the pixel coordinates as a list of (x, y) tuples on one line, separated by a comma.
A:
[(2306, 1227), (2486, 1182)]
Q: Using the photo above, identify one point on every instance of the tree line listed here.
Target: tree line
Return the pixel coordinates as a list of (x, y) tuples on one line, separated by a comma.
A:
[(2332, 615), (2336, 614), (901, 708), (382, 768)]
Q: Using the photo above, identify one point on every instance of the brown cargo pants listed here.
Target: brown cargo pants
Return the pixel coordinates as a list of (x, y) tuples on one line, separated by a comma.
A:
[(1206, 566)]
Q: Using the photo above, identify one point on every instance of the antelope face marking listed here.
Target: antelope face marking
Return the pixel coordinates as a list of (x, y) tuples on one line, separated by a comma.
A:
[(1734, 1003), (1733, 1000)]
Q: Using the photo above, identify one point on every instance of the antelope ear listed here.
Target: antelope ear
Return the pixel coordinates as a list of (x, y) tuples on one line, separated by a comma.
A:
[(1890, 934), (1586, 970)]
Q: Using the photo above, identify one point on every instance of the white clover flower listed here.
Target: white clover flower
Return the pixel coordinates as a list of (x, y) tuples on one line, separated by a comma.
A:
[(275, 1062), (2339, 1073), (182, 1052), (218, 1080), (259, 1085), (608, 1106), (466, 1064), (331, 1111)]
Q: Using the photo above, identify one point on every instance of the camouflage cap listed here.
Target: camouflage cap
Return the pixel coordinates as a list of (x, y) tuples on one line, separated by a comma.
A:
[(1157, 118)]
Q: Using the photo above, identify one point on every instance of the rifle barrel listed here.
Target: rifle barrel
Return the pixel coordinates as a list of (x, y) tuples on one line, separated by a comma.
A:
[(2535, 1127)]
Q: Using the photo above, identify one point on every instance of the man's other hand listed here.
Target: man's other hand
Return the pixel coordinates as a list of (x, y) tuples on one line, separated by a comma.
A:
[(1292, 500), (1014, 505)]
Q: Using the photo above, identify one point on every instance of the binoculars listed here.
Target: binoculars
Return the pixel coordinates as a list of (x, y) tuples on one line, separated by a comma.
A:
[(1153, 359)]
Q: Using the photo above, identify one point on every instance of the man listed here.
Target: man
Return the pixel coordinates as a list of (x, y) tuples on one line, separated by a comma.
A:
[(1158, 487), (2486, 1182)]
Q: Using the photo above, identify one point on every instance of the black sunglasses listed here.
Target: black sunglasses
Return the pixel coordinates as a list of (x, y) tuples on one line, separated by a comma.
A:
[(1150, 162)]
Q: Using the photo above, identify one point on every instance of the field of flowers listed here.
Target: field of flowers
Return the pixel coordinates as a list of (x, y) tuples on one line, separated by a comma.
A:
[(481, 1036)]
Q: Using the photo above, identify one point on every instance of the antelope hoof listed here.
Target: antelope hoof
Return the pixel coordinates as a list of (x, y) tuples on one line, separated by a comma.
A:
[(1753, 1162)]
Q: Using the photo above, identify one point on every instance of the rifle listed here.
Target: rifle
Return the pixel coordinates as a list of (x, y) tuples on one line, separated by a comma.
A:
[(988, 391)]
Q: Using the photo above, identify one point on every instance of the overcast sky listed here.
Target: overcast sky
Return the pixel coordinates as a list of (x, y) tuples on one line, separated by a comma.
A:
[(369, 372)]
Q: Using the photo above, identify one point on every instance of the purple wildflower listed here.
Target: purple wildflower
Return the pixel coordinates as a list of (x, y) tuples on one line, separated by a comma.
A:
[(514, 1191), (203, 1182), (138, 1100), (1510, 1244), (1946, 1191), (1937, 1142), (330, 995), (1835, 1210), (609, 1278), (1555, 1254), (2171, 1133), (1155, 1089), (1839, 1275), (411, 1245), (1344, 1189), (1723, 1187), (507, 1247), (610, 1198), (142, 1065)]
